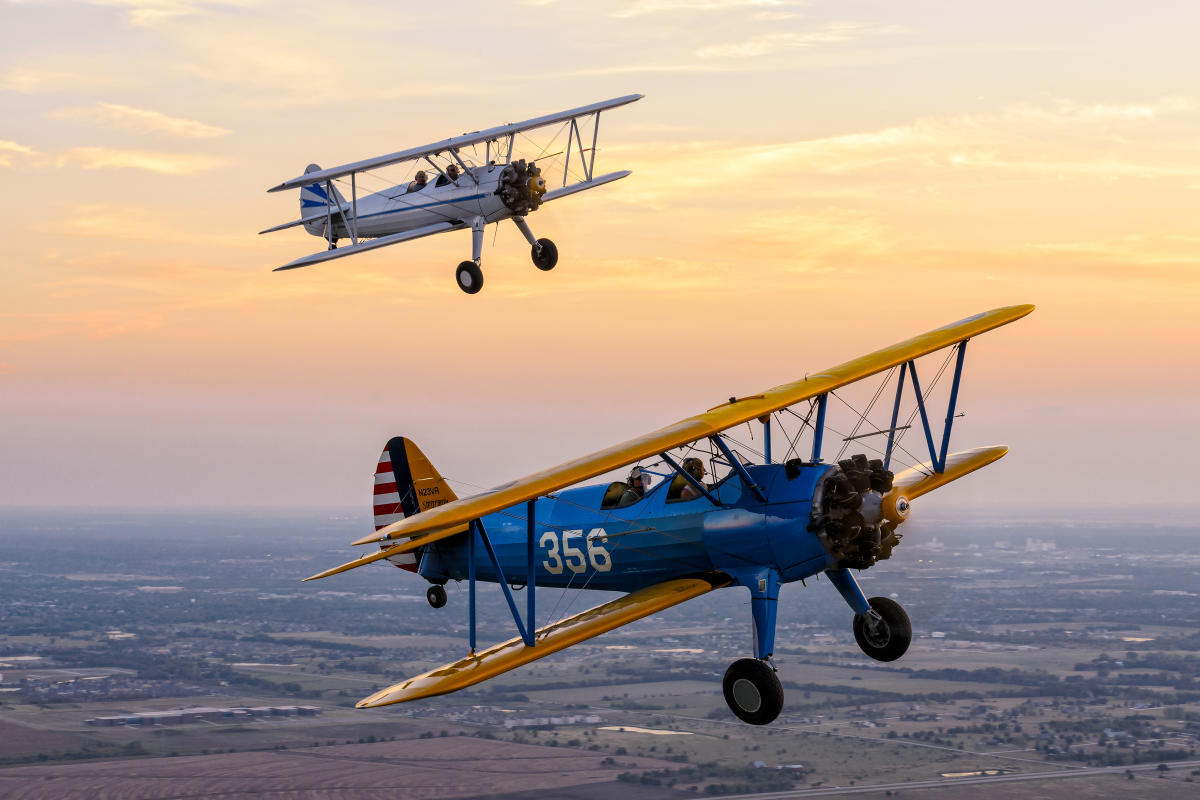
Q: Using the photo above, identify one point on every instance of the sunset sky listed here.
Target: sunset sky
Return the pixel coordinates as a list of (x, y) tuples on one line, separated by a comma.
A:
[(811, 181)]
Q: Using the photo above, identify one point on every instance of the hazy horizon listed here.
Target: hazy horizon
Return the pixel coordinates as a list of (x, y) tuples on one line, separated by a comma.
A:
[(810, 182)]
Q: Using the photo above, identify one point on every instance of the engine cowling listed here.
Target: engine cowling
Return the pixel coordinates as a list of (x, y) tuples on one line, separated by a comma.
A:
[(521, 187), (855, 512)]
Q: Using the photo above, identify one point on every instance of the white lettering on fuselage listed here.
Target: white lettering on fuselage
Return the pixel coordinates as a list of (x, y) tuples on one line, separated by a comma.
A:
[(561, 553)]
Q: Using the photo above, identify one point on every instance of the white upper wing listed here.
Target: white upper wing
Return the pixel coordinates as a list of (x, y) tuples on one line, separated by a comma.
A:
[(465, 140)]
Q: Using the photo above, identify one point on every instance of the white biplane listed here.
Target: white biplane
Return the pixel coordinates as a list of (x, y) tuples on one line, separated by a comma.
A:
[(463, 195)]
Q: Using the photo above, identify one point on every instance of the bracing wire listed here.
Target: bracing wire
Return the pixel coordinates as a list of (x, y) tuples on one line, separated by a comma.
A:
[(862, 415)]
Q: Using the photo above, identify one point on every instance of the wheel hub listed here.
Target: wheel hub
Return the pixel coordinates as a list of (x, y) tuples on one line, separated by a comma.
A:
[(747, 695), (876, 631)]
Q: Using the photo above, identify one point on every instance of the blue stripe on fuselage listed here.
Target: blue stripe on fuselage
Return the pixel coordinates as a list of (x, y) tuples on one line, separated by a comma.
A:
[(651, 540), (427, 205)]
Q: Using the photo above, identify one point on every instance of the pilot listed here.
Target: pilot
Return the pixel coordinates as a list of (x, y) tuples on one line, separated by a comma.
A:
[(452, 172), (639, 482), (695, 468), (418, 182)]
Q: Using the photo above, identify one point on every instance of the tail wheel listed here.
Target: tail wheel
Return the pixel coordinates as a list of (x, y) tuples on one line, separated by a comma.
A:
[(469, 277), (436, 595), (753, 691), (545, 255), (888, 638)]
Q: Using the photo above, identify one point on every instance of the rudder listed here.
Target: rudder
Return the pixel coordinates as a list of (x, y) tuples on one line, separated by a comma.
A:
[(315, 205), (406, 483)]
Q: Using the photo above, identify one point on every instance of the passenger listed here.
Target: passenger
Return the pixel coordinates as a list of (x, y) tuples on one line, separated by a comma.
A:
[(452, 172), (418, 182), (695, 468), (639, 482)]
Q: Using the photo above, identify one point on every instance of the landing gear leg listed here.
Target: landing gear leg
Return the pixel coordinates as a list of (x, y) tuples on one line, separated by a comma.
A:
[(752, 689), (436, 595), (543, 251), (468, 274), (881, 627)]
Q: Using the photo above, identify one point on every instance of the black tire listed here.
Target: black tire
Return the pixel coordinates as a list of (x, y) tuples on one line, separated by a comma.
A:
[(469, 277), (891, 638), (545, 255), (753, 691), (436, 595)]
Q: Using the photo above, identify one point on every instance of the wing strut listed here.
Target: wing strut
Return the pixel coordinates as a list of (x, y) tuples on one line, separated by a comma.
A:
[(887, 453), (687, 476), (736, 463), (477, 530), (350, 222), (465, 169), (819, 427), (937, 457)]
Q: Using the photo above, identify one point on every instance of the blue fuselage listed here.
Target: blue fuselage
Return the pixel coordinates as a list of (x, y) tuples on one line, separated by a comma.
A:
[(580, 544)]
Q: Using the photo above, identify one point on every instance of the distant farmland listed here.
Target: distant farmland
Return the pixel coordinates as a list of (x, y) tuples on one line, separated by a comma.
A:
[(455, 766)]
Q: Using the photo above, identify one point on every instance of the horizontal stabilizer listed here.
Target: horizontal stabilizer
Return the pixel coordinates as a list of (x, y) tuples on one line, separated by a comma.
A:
[(583, 185), (358, 562), (394, 550), (371, 244), (436, 521), (296, 222), (921, 479), (550, 639)]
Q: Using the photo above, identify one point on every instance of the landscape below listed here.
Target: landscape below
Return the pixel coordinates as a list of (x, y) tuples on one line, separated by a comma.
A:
[(1046, 649)]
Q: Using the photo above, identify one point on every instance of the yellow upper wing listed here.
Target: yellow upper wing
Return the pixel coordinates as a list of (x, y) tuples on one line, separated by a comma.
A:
[(436, 521), (550, 639)]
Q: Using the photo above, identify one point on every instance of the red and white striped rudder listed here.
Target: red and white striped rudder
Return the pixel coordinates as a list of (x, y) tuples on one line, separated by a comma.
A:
[(406, 483)]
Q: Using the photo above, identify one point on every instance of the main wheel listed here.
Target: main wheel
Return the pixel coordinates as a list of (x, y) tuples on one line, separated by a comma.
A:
[(753, 691), (469, 277), (545, 255), (436, 595), (889, 639)]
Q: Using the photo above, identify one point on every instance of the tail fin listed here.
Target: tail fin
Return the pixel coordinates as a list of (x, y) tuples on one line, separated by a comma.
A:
[(406, 483), (315, 203)]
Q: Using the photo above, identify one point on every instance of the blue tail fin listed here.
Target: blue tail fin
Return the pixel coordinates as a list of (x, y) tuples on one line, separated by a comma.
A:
[(315, 203)]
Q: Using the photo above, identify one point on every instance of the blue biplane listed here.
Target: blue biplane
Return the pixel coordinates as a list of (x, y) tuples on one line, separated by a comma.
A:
[(760, 526)]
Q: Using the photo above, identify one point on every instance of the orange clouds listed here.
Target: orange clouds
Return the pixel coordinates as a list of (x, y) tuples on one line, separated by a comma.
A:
[(149, 160), (11, 150), (141, 120)]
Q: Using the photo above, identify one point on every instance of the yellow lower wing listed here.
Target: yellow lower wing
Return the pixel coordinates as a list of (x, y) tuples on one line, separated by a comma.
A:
[(921, 479), (550, 639)]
